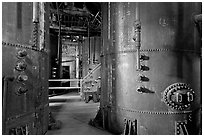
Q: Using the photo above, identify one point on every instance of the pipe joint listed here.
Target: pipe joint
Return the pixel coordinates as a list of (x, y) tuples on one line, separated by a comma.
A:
[(137, 25)]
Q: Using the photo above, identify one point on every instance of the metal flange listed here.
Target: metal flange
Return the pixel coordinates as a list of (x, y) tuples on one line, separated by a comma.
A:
[(178, 96)]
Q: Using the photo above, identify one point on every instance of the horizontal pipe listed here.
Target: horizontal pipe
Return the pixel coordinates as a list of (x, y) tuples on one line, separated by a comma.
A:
[(64, 87), (71, 43), (65, 79)]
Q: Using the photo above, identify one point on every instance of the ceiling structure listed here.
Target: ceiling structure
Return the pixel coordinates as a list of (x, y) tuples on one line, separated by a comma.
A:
[(75, 18)]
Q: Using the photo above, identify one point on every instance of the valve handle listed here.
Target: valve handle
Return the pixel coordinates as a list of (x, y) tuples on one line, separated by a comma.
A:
[(21, 91), (179, 97), (22, 77), (190, 97), (20, 66), (22, 53)]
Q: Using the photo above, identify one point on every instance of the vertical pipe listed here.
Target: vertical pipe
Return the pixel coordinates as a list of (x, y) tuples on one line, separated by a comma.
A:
[(19, 15), (81, 89), (137, 37), (80, 55), (137, 15), (35, 12), (89, 56), (59, 51), (42, 25), (77, 62), (35, 24), (4, 107), (94, 50)]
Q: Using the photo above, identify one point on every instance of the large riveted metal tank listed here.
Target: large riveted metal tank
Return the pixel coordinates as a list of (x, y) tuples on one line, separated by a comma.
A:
[(151, 68), (25, 46)]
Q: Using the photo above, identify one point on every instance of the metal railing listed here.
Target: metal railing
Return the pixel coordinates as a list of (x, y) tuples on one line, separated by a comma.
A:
[(92, 71), (66, 80), (80, 80)]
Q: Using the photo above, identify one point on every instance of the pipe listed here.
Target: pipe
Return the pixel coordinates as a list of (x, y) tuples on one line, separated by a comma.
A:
[(77, 63), (4, 106), (59, 51), (198, 18), (89, 55), (35, 12), (94, 51), (137, 36), (92, 71), (42, 25), (35, 24)]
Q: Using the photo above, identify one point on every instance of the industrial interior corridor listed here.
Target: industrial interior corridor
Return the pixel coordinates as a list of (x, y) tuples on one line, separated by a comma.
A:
[(101, 68), (74, 115)]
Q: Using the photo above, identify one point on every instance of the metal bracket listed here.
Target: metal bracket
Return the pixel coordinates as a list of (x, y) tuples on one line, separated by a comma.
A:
[(20, 65), (21, 90), (181, 128), (130, 127), (143, 78), (21, 130), (142, 89)]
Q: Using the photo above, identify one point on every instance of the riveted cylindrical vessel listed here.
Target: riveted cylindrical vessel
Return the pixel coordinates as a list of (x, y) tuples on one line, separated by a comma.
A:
[(25, 67), (163, 94)]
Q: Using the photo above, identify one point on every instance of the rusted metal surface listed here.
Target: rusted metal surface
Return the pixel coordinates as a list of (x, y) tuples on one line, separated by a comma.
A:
[(25, 100), (170, 53)]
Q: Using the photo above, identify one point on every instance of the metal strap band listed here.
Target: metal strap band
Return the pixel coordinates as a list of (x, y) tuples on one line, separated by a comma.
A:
[(22, 46), (153, 112), (154, 50)]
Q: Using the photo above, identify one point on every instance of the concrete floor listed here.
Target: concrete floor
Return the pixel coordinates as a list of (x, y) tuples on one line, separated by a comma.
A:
[(74, 115)]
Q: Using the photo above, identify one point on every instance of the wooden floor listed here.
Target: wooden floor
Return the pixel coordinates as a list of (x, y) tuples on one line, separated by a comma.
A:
[(74, 115)]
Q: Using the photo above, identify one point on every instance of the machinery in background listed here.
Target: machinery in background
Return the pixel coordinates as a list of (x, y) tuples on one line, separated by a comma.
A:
[(74, 27), (91, 69)]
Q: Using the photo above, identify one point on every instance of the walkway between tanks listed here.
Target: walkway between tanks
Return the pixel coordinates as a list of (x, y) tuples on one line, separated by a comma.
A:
[(74, 115)]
